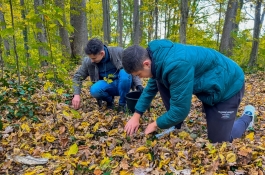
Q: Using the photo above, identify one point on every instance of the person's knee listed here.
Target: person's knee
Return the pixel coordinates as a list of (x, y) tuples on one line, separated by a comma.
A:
[(94, 91)]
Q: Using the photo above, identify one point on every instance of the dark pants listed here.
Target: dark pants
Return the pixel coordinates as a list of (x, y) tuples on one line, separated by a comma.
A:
[(221, 123)]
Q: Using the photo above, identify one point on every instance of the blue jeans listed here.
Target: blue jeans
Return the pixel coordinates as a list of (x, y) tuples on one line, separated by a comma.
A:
[(119, 87)]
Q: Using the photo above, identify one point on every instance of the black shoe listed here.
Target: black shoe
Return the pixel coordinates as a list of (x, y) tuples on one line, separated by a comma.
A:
[(110, 105), (122, 108), (99, 102)]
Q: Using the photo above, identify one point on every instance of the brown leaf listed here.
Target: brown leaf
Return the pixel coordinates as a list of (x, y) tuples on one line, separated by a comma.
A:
[(244, 151), (64, 141), (97, 172), (124, 164), (61, 129), (6, 165)]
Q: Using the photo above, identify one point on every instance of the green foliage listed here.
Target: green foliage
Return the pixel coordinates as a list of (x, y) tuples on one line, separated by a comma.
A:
[(15, 100)]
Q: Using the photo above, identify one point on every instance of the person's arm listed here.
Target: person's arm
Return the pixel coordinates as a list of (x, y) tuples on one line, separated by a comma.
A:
[(143, 103), (80, 75), (180, 77)]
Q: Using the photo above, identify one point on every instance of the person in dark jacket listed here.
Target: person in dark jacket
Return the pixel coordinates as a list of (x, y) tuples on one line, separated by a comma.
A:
[(177, 71), (104, 67)]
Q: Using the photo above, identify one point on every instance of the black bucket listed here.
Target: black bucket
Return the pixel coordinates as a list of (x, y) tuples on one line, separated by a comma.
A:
[(131, 100)]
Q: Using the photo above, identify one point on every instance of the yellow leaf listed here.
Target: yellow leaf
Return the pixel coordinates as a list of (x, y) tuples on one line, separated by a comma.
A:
[(95, 128), (223, 147), (30, 173), (25, 127), (112, 132), (142, 149), (92, 167), (118, 151), (58, 170), (250, 136), (60, 91), (183, 134), (85, 124), (76, 114), (46, 155), (222, 158), (40, 75), (124, 172), (105, 163), (88, 135), (47, 85), (50, 138), (230, 157), (66, 114), (84, 163), (72, 150)]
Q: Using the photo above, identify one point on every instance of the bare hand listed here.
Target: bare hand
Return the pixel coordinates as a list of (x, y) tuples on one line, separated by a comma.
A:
[(151, 128), (76, 101), (132, 125)]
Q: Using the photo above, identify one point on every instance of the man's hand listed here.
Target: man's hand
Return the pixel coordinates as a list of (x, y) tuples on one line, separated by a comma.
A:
[(151, 128), (76, 101), (140, 88), (132, 125)]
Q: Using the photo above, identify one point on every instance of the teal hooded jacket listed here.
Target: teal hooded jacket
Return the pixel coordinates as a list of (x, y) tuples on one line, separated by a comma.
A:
[(187, 70)]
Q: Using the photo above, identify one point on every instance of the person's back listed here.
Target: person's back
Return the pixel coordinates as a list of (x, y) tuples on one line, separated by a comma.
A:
[(214, 74), (177, 71)]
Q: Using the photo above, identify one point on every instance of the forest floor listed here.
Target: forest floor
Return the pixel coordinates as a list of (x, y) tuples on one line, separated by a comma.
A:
[(92, 140)]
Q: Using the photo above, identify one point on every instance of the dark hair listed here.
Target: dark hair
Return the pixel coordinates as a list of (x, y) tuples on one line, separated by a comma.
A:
[(94, 46), (133, 57)]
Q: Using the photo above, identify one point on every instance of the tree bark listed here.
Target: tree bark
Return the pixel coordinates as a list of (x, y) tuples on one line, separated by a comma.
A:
[(184, 9), (78, 20), (5, 41), (25, 34), (141, 21), (255, 43), (41, 37), (14, 43), (136, 23), (227, 40), (65, 42), (106, 21), (156, 18), (120, 23)]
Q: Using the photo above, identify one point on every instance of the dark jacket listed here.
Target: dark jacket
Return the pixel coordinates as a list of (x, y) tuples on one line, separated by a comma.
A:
[(91, 69), (187, 70)]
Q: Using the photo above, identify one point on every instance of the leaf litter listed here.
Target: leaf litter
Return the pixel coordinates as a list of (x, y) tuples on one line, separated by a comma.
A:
[(92, 140)]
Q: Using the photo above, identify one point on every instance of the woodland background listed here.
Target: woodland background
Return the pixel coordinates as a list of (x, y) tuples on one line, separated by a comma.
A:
[(41, 44)]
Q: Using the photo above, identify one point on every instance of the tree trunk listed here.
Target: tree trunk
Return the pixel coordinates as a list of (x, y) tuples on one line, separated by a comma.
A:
[(184, 9), (79, 22), (65, 42), (41, 37), (120, 23), (156, 18), (227, 40), (255, 43), (106, 21), (219, 24), (150, 26), (141, 21), (14, 43), (5, 41), (136, 23), (25, 34), (165, 20)]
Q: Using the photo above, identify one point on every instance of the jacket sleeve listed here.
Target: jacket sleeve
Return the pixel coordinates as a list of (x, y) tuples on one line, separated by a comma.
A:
[(80, 75), (147, 96), (180, 77)]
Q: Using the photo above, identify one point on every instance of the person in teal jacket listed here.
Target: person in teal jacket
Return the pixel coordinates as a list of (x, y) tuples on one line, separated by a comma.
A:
[(177, 71)]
